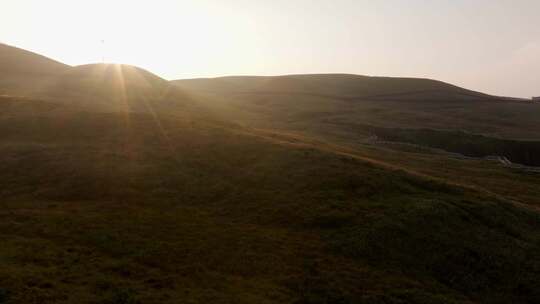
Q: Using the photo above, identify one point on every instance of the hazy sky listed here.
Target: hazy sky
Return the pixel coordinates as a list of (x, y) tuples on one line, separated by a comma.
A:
[(487, 45)]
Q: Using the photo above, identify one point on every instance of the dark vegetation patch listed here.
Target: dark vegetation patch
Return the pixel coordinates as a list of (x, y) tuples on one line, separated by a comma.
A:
[(473, 145), (466, 246)]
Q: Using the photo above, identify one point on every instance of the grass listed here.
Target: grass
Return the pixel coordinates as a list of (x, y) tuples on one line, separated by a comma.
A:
[(260, 199), (98, 211), (329, 121)]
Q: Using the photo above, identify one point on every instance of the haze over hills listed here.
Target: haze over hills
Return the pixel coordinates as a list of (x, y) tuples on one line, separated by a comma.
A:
[(120, 187), (24, 72)]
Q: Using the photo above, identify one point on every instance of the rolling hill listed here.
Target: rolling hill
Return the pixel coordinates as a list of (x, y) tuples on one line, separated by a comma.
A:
[(23, 72), (356, 110), (112, 87), (19, 62), (213, 198), (339, 86), (104, 87), (97, 208)]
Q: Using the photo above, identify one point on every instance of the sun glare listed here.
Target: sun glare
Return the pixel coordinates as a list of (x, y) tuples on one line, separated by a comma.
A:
[(170, 38), (207, 38)]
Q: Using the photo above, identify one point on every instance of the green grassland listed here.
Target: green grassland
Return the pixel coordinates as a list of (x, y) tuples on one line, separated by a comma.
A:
[(118, 187), (104, 208), (331, 115)]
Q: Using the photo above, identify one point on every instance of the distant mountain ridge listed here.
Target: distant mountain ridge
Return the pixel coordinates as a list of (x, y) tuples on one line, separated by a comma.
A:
[(25, 72), (343, 86)]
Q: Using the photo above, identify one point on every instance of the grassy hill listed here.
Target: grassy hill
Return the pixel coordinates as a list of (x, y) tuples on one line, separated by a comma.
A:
[(15, 61), (23, 72), (112, 87), (354, 109), (340, 86), (96, 209), (104, 87), (191, 200), (380, 101)]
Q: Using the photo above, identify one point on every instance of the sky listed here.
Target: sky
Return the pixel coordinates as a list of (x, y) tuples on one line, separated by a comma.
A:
[(487, 45)]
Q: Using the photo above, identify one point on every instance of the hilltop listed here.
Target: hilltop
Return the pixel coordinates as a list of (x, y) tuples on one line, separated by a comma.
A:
[(341, 86), (107, 87), (16, 61), (24, 72), (110, 86)]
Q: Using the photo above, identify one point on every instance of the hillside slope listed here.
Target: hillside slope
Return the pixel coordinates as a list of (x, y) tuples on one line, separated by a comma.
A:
[(119, 188), (112, 87), (105, 87), (177, 208), (340, 106), (23, 72), (343, 86), (18, 61)]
